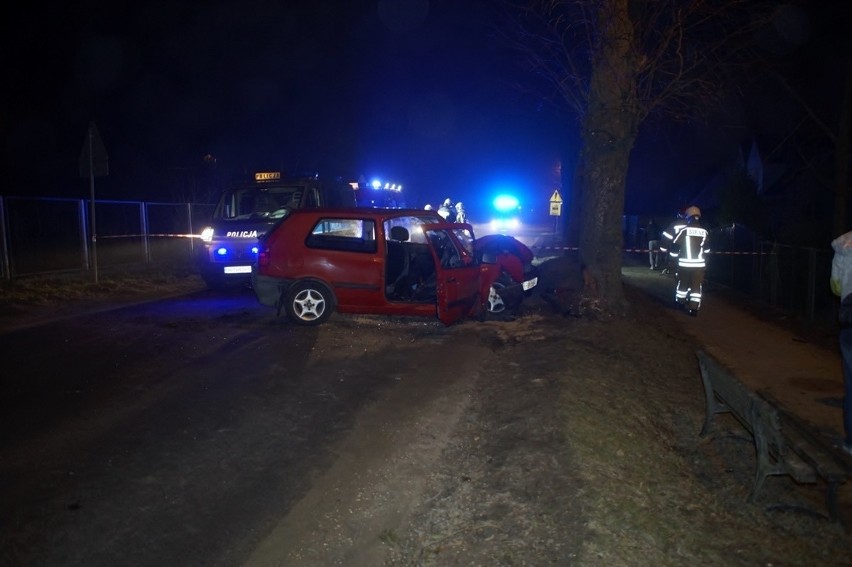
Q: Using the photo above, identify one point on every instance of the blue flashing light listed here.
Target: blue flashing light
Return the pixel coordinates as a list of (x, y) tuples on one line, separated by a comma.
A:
[(376, 184), (222, 251), (506, 203), (255, 249)]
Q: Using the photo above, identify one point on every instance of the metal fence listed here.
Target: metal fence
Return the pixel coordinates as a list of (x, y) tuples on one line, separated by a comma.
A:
[(794, 279), (44, 235)]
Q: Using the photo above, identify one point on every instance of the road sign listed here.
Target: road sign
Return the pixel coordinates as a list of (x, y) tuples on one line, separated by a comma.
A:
[(555, 203)]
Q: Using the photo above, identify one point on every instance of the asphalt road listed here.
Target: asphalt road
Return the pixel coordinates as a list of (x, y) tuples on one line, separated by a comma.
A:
[(177, 432), (181, 431)]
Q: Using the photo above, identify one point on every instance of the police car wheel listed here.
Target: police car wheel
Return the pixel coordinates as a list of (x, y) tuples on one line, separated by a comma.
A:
[(309, 303)]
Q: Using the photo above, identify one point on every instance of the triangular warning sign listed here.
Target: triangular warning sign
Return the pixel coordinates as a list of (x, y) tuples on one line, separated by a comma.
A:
[(556, 197)]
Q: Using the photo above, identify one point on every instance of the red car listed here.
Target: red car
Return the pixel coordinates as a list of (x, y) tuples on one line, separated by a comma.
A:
[(381, 261)]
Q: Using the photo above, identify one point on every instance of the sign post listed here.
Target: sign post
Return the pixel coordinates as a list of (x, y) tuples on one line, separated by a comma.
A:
[(93, 162), (555, 208)]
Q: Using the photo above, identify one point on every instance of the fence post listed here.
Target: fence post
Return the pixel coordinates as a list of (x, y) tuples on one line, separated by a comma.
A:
[(84, 233), (811, 296), (4, 241), (756, 263), (773, 276), (191, 232), (143, 220)]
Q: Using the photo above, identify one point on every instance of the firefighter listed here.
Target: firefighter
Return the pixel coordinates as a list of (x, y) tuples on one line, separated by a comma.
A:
[(692, 241), (446, 210), (669, 250), (460, 214)]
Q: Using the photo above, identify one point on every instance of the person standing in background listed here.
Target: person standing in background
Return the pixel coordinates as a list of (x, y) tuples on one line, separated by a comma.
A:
[(446, 210), (841, 285), (652, 232)]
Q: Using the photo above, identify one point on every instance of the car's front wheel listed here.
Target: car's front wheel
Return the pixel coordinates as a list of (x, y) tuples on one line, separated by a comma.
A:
[(497, 306), (309, 303)]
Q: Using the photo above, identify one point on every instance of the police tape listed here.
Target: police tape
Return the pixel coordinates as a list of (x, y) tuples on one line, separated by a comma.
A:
[(101, 236), (563, 248), (645, 251)]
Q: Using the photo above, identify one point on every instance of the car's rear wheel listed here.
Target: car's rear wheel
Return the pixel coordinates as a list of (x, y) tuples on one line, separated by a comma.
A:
[(309, 303)]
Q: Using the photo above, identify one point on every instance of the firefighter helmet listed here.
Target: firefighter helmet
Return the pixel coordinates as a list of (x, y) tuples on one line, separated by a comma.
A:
[(692, 211)]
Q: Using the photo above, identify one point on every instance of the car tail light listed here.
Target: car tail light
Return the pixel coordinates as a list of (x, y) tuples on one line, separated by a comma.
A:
[(263, 257)]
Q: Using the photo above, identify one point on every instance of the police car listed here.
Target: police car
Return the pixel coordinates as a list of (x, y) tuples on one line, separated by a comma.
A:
[(245, 213), (506, 214)]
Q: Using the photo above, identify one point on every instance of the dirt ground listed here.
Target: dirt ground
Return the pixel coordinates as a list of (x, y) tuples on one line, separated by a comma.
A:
[(563, 440), (572, 441)]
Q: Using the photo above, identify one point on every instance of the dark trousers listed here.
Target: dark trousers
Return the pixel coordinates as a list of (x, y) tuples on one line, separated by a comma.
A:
[(690, 282), (846, 357)]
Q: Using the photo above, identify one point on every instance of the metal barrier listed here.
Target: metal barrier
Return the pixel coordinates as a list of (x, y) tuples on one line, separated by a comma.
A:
[(794, 279), (47, 235)]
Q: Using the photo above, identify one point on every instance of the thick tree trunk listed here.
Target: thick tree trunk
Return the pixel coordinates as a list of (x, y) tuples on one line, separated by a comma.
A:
[(609, 132)]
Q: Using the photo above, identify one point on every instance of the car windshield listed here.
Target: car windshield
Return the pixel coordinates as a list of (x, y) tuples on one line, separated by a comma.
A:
[(258, 202)]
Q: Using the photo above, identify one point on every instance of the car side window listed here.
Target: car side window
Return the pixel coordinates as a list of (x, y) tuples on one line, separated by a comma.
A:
[(413, 224), (348, 235), (466, 238)]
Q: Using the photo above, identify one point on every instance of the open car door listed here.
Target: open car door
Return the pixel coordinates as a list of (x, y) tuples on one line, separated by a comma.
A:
[(457, 274)]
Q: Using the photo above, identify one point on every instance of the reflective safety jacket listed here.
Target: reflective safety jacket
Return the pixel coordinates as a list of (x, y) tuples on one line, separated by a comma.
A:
[(693, 241), (669, 235)]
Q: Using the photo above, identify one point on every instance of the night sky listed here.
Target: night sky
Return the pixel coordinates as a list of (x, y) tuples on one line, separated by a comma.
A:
[(413, 91), (416, 91)]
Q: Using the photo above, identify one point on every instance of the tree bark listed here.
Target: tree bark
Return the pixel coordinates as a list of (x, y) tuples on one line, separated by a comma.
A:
[(609, 132)]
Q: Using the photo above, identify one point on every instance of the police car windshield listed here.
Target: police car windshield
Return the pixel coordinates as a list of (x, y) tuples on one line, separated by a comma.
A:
[(258, 203)]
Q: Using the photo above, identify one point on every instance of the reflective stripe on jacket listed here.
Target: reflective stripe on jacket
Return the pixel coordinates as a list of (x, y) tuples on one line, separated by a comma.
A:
[(669, 234), (694, 242)]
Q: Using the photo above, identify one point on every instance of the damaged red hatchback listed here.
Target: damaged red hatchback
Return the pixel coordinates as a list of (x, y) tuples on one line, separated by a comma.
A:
[(381, 261)]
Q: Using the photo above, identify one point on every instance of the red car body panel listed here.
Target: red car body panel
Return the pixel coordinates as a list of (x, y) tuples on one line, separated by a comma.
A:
[(358, 279), (382, 261)]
